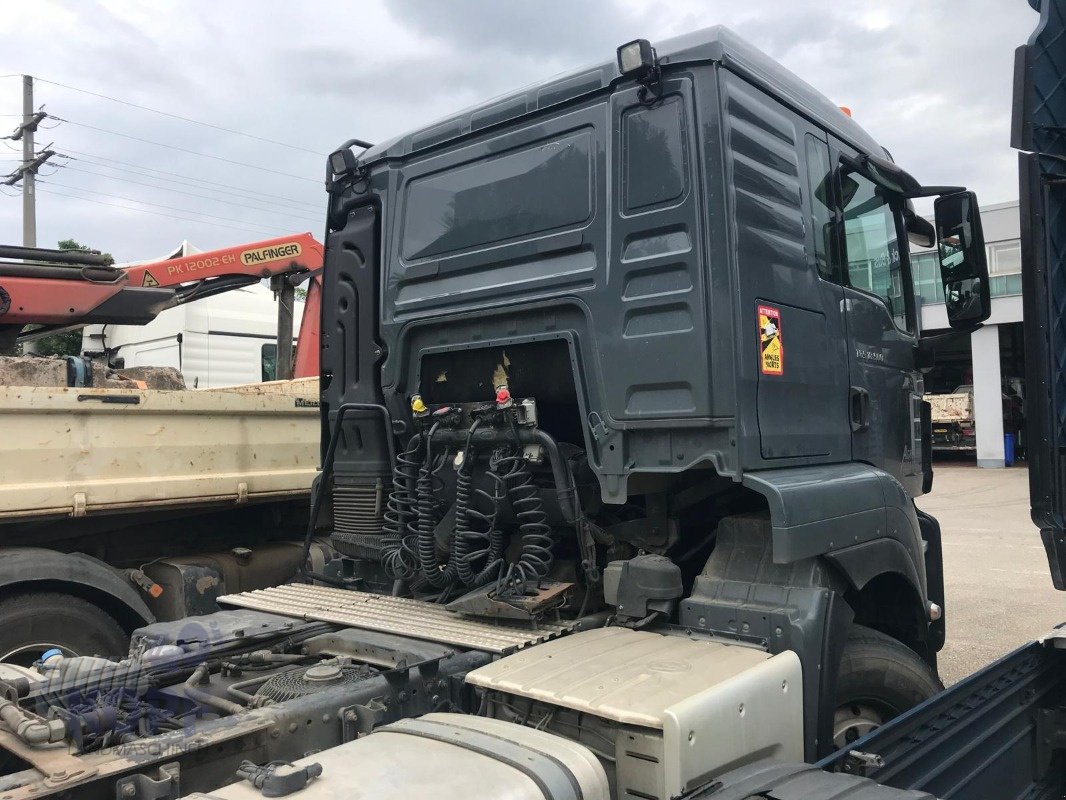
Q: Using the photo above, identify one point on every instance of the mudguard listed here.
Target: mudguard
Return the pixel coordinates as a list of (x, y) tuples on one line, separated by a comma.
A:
[(80, 574), (857, 515)]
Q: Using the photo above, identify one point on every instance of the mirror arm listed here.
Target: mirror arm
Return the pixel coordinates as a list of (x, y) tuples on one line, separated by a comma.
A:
[(936, 191), (927, 345)]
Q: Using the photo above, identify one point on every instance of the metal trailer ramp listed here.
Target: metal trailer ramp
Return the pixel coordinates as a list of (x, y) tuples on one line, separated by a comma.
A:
[(399, 615)]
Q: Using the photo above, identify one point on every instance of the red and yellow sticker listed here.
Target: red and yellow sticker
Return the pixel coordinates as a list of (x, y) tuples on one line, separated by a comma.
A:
[(771, 346)]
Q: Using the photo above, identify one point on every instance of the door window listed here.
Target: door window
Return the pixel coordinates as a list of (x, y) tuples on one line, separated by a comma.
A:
[(819, 179), (874, 260)]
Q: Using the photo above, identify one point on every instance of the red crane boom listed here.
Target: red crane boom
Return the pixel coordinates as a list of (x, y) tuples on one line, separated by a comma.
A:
[(61, 290)]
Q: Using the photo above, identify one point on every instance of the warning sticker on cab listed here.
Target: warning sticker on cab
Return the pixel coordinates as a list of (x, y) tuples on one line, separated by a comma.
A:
[(771, 347)]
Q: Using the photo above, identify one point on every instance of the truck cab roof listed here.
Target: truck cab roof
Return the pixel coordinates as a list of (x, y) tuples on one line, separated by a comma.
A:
[(715, 44)]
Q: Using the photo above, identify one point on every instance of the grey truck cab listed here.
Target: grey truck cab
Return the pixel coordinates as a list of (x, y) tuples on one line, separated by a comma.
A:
[(643, 339), (622, 428)]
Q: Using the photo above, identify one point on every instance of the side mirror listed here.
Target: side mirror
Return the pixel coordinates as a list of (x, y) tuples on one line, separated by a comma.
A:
[(963, 264)]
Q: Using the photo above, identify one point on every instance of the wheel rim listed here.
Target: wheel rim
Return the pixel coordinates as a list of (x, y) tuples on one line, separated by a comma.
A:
[(854, 720), (24, 655)]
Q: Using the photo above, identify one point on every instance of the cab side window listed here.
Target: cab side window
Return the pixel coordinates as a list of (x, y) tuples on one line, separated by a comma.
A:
[(874, 262), (819, 184)]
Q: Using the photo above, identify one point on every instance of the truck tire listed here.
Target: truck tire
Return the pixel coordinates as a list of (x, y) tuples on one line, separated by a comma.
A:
[(38, 621), (879, 678)]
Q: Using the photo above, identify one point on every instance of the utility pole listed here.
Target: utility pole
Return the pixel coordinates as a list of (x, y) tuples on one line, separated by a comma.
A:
[(29, 195), (31, 163)]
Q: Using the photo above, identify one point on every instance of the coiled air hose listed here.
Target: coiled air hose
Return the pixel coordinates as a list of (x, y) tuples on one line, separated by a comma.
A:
[(471, 545), (428, 517), (397, 556), (535, 558)]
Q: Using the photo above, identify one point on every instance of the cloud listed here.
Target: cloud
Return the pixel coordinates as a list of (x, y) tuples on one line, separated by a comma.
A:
[(930, 82)]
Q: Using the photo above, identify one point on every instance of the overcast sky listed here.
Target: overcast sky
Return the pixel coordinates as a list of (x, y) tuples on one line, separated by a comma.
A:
[(930, 81)]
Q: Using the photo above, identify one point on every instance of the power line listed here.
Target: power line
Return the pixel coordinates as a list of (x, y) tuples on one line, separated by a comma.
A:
[(268, 200), (155, 213), (183, 119), (159, 205), (184, 150), (293, 213), (91, 158)]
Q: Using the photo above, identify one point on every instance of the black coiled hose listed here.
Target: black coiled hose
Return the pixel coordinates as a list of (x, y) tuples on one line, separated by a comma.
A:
[(485, 541), (428, 514), (397, 556), (535, 559)]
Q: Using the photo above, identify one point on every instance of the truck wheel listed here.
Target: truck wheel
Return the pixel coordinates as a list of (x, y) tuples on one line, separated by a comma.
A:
[(879, 679), (34, 623)]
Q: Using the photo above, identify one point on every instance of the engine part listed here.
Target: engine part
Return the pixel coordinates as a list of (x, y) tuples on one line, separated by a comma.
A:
[(642, 586), (503, 602), (372, 647), (30, 729), (376, 612), (303, 681), (201, 676), (278, 778), (218, 631), (191, 585), (692, 707), (96, 720), (482, 759), (358, 508), (502, 440)]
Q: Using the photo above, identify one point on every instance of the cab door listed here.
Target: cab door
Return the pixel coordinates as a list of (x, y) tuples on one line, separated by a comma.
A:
[(885, 392)]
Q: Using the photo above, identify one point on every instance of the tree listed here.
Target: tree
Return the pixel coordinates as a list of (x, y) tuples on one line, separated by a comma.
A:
[(67, 343)]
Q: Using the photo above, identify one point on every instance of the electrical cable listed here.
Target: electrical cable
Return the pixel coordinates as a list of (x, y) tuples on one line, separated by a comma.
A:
[(260, 209), (156, 205), (120, 177), (179, 117), (146, 211), (92, 158), (185, 150)]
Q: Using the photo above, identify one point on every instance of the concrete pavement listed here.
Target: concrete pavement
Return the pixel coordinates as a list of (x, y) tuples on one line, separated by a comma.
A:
[(999, 592)]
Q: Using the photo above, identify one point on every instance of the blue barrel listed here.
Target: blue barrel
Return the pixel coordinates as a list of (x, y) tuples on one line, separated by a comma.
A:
[(1008, 449)]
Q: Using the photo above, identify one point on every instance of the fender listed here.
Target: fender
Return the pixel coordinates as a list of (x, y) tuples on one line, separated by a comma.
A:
[(84, 575), (861, 563), (857, 515)]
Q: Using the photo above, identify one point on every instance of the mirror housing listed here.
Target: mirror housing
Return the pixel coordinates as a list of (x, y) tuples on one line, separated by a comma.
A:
[(963, 263)]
